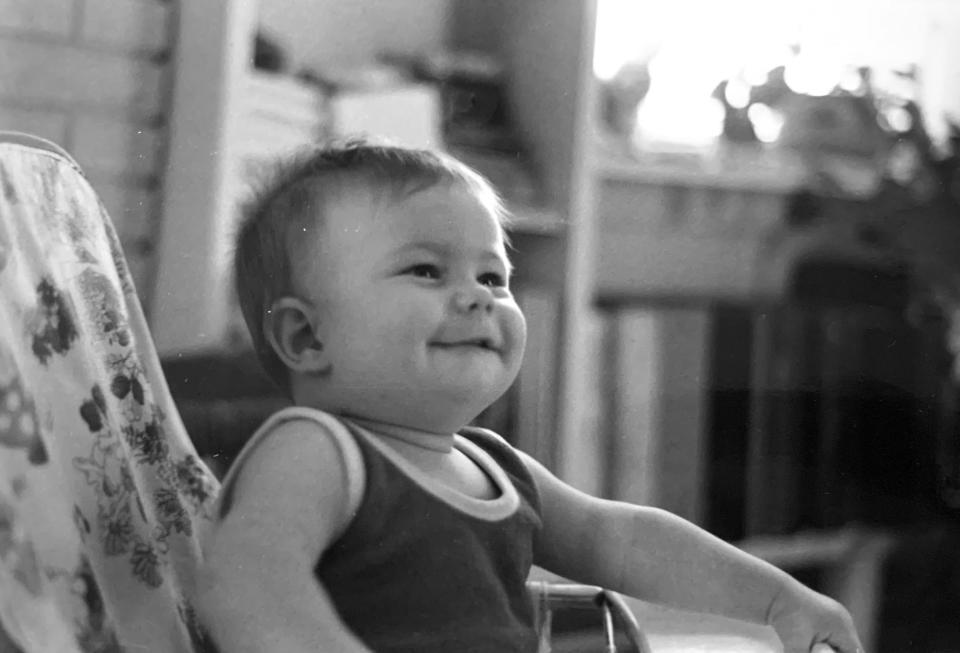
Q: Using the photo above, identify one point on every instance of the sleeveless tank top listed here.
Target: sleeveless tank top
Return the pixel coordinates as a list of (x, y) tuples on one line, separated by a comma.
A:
[(431, 571)]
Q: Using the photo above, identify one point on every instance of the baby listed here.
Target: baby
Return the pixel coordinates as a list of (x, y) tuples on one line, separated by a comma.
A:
[(376, 285)]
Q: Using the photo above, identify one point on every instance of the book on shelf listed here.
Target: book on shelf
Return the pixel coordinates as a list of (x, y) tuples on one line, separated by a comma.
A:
[(282, 95), (276, 115)]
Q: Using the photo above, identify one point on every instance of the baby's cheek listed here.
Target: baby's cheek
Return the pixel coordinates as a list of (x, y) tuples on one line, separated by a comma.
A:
[(516, 331)]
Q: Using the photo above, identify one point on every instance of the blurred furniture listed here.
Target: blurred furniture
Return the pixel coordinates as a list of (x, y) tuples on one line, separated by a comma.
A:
[(810, 419), (222, 397)]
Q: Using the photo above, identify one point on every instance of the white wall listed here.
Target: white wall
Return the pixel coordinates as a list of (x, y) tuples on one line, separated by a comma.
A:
[(91, 76), (321, 33)]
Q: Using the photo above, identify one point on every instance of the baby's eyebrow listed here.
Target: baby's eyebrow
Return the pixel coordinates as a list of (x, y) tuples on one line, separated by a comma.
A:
[(424, 245), (501, 258), (493, 256)]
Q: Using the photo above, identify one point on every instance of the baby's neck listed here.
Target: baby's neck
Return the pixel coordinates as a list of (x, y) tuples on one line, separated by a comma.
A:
[(439, 442)]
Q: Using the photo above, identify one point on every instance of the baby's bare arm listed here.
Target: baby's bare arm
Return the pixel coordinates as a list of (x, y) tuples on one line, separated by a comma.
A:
[(258, 591), (655, 556)]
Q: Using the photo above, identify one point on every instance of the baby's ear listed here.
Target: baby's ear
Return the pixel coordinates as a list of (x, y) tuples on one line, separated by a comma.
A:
[(290, 328)]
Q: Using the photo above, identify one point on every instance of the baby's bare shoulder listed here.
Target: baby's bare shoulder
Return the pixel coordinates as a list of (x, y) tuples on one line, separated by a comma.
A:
[(290, 473)]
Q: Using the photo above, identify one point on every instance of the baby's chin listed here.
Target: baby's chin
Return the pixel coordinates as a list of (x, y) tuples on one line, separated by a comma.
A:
[(444, 416), (435, 407), (437, 417)]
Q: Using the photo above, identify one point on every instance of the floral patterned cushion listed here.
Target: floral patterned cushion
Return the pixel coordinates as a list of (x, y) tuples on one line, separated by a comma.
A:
[(102, 494)]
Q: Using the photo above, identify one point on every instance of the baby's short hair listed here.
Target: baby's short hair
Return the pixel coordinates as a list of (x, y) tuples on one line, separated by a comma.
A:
[(291, 203)]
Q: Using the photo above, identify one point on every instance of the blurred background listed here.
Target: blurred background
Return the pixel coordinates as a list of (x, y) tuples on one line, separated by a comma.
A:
[(736, 231)]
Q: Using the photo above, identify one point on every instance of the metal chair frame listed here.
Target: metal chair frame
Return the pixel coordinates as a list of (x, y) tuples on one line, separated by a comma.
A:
[(550, 596)]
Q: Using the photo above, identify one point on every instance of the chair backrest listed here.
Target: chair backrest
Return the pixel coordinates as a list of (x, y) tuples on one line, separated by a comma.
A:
[(102, 494)]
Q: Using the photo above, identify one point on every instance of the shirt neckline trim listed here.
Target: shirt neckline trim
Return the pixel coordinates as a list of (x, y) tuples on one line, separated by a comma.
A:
[(500, 507)]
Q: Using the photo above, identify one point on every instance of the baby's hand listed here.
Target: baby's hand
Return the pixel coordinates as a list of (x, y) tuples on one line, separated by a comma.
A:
[(809, 622)]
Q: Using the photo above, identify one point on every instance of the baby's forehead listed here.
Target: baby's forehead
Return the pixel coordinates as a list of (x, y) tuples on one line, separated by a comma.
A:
[(385, 203)]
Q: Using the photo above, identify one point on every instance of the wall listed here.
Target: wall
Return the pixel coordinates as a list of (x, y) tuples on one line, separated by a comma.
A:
[(92, 75), (320, 33)]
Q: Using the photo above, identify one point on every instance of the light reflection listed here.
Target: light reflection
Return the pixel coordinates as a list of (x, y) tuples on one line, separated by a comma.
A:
[(767, 122), (737, 93)]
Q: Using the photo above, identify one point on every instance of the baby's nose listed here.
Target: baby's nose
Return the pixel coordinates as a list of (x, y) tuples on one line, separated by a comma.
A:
[(474, 298)]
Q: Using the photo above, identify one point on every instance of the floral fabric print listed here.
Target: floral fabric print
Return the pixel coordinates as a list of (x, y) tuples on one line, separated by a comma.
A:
[(101, 492)]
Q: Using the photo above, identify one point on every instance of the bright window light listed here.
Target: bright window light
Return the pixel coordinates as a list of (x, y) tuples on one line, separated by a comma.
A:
[(814, 74), (693, 45)]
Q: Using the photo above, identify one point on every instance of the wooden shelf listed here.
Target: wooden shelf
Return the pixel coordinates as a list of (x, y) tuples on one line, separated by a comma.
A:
[(759, 171), (535, 220)]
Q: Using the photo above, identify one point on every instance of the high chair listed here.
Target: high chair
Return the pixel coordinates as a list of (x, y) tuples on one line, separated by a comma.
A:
[(102, 493)]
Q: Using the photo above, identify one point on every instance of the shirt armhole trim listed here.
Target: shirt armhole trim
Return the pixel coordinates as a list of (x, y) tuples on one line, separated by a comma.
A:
[(350, 456)]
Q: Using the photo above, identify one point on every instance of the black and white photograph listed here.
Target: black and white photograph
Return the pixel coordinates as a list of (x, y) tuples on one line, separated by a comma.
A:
[(479, 326)]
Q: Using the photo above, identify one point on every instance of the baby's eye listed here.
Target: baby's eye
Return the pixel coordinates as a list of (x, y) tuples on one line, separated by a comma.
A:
[(424, 271), (493, 279)]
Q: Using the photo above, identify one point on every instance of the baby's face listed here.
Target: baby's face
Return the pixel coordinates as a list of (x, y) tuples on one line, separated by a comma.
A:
[(415, 310)]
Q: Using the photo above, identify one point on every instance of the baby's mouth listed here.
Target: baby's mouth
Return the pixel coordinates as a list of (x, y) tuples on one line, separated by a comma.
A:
[(487, 344)]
